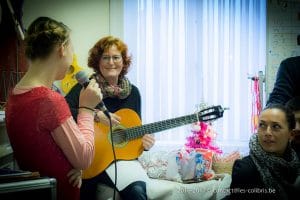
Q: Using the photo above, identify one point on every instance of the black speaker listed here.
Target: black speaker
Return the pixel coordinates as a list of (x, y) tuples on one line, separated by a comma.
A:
[(35, 189)]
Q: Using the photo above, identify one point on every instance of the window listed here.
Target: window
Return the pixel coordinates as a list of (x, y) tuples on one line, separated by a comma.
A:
[(187, 52)]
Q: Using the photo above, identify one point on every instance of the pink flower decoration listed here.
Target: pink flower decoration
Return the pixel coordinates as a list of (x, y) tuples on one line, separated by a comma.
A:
[(202, 137)]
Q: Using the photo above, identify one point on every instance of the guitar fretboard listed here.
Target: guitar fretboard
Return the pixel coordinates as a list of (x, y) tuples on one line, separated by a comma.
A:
[(139, 131)]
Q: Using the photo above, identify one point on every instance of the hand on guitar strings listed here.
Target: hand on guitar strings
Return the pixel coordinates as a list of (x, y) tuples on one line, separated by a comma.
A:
[(100, 117), (148, 141)]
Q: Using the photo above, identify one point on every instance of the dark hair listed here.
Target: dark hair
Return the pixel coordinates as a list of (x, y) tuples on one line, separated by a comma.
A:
[(294, 104), (104, 44), (43, 35), (290, 118)]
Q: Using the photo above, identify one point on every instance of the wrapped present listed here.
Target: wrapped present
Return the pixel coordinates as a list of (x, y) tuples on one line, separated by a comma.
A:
[(191, 165)]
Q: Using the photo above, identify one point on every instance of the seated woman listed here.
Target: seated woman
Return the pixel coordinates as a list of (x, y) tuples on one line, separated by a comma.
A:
[(272, 170), (110, 61)]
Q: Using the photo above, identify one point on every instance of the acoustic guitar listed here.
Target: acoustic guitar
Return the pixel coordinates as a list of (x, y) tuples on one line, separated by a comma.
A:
[(127, 136)]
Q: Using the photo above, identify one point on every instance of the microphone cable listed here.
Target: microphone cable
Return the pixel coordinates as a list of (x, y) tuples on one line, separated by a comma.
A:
[(114, 155)]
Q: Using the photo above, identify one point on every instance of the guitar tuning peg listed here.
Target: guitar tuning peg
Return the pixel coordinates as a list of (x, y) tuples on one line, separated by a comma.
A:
[(201, 106)]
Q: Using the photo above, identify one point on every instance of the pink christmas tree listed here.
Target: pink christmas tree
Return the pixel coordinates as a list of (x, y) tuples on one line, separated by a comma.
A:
[(202, 137)]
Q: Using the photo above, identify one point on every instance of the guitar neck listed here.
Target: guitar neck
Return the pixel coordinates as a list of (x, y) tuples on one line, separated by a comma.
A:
[(139, 131)]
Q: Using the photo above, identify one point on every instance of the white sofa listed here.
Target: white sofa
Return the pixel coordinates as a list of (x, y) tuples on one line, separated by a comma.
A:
[(158, 189), (154, 163)]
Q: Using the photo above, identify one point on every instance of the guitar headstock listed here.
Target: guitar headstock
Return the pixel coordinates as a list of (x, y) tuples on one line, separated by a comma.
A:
[(210, 113)]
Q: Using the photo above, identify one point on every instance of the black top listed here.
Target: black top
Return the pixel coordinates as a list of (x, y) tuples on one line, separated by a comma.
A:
[(287, 84), (133, 101), (247, 182), (245, 176)]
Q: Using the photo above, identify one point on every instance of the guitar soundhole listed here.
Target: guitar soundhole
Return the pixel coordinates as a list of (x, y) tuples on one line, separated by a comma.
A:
[(119, 137)]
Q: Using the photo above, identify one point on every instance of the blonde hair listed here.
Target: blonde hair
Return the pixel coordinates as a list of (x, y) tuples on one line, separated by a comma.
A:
[(43, 35)]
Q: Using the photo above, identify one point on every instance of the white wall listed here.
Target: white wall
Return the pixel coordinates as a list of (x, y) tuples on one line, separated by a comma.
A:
[(89, 20)]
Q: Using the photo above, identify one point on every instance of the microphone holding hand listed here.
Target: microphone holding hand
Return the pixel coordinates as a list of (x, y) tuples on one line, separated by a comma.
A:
[(83, 80)]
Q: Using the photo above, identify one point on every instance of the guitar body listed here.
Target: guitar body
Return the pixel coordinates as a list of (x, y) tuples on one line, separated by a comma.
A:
[(127, 136), (128, 150)]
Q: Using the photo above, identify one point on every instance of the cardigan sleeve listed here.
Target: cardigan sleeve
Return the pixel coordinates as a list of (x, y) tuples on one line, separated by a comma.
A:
[(77, 142)]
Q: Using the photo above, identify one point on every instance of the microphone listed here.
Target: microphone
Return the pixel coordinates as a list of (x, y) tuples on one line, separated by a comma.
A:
[(83, 79)]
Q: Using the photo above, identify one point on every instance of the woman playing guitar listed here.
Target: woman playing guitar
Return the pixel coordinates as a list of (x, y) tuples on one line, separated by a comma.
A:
[(110, 60)]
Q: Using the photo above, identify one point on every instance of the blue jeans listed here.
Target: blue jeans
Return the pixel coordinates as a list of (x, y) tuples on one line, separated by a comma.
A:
[(135, 190)]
